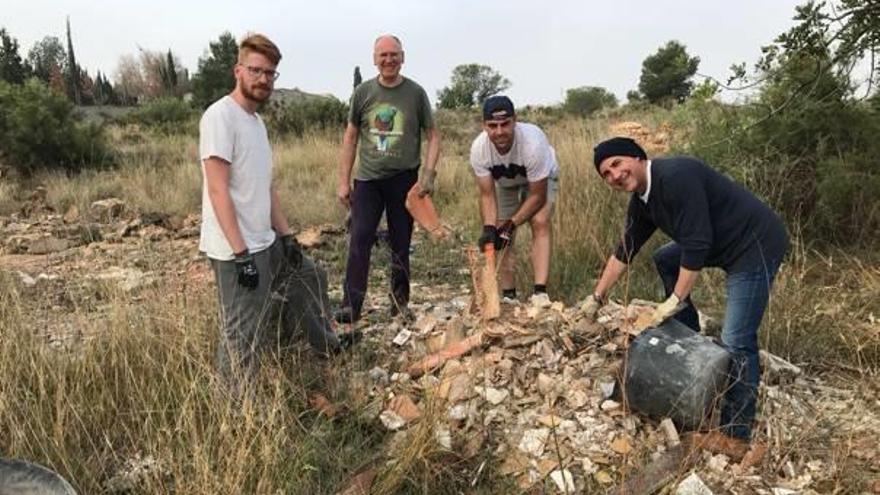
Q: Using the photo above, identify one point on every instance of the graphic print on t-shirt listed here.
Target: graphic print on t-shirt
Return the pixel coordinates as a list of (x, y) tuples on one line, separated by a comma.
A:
[(386, 126), (509, 171)]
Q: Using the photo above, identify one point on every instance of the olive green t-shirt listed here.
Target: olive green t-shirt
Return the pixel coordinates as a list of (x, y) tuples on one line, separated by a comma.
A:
[(390, 122)]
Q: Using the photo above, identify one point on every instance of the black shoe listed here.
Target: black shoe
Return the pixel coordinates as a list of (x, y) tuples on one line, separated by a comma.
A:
[(344, 315), (348, 339)]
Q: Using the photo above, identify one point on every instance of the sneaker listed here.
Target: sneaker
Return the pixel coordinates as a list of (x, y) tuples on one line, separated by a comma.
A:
[(540, 300), (508, 300), (344, 315)]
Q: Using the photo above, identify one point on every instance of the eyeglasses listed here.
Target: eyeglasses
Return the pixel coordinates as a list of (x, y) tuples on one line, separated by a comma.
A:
[(256, 72)]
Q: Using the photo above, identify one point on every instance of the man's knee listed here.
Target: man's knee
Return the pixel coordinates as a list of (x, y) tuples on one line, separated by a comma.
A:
[(667, 256), (540, 226)]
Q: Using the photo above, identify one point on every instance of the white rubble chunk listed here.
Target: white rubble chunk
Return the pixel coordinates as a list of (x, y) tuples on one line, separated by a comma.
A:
[(564, 480), (693, 485)]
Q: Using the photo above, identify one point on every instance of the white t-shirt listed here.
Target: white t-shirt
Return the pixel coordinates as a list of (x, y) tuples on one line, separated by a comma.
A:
[(530, 159), (229, 132)]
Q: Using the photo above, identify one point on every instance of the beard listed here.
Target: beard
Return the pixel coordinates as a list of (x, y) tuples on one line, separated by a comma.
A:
[(250, 94)]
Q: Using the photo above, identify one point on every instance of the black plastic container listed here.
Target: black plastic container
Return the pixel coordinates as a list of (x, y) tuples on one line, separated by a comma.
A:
[(675, 372)]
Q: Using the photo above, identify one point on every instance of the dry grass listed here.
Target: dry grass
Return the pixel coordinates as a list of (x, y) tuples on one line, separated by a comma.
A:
[(142, 385)]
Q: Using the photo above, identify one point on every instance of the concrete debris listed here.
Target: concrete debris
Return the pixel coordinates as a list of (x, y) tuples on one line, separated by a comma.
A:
[(693, 485), (402, 337), (564, 480)]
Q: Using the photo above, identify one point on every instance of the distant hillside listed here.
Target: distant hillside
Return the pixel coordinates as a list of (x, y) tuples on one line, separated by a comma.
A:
[(296, 95)]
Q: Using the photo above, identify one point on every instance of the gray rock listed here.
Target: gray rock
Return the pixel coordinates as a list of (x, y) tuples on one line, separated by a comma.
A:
[(19, 477), (47, 245)]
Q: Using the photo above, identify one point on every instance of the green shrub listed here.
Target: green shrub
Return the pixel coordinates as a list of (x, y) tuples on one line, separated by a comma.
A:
[(39, 129), (309, 115), (167, 115), (804, 145)]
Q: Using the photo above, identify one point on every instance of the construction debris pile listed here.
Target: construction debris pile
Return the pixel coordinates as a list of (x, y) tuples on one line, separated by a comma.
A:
[(538, 388)]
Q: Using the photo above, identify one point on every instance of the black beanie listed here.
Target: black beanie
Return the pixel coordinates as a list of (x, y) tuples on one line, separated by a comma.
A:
[(617, 146)]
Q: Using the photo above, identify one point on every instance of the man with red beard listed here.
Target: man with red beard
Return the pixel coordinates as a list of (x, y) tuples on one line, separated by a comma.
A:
[(260, 270)]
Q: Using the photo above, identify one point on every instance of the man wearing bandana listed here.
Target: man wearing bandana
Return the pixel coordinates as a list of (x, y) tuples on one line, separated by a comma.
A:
[(518, 179)]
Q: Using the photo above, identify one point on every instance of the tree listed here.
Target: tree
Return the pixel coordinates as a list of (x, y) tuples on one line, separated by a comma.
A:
[(666, 75), (471, 84), (214, 77), (587, 100), (73, 68), (12, 69), (45, 56), (357, 76), (130, 83)]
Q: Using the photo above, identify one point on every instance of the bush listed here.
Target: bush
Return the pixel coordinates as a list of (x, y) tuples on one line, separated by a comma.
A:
[(39, 129), (167, 115), (309, 115), (804, 145)]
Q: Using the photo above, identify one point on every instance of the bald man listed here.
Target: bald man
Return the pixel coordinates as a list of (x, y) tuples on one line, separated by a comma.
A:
[(386, 119)]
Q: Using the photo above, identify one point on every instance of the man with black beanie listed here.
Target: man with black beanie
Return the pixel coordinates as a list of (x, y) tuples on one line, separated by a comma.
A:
[(713, 222)]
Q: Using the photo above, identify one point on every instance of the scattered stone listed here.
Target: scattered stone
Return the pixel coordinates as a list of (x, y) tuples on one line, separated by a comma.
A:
[(603, 477), (108, 209), (621, 445), (404, 407), (392, 420), (610, 405), (693, 485), (532, 442), (670, 431), (564, 480), (402, 337), (493, 395), (47, 245)]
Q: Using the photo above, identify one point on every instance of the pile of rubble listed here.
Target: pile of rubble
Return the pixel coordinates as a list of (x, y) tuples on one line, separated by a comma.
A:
[(537, 388)]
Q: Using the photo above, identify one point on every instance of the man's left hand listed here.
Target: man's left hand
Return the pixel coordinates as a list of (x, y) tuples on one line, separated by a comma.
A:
[(664, 311), (427, 182), (505, 233), (292, 251)]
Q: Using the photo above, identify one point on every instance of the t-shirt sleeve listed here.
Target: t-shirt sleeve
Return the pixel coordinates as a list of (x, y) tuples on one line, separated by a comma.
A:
[(426, 115), (637, 230), (540, 159), (693, 225), (216, 136), (479, 161)]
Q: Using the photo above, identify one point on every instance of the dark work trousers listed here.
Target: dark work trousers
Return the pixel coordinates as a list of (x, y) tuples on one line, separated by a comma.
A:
[(267, 317), (368, 200)]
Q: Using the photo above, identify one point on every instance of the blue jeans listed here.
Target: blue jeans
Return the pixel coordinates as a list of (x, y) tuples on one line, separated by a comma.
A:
[(747, 295)]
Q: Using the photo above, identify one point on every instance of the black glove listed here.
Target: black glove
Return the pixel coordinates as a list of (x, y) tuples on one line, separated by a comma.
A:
[(248, 276), (505, 233), (292, 251), (490, 236)]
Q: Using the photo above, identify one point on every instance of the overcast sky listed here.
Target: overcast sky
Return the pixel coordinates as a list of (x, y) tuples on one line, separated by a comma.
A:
[(542, 46)]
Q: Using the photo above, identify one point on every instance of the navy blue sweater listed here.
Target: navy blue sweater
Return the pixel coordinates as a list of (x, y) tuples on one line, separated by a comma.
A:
[(716, 221)]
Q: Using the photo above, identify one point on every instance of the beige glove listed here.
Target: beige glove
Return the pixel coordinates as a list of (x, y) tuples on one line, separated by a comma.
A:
[(665, 310), (590, 306)]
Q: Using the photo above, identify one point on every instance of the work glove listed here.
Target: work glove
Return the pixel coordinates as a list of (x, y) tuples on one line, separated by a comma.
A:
[(590, 306), (292, 251), (427, 182), (664, 311), (505, 233), (246, 268), (490, 236)]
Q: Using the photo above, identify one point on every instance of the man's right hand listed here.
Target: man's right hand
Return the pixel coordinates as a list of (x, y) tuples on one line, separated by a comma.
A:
[(343, 194), (248, 276), (490, 236), (590, 306)]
